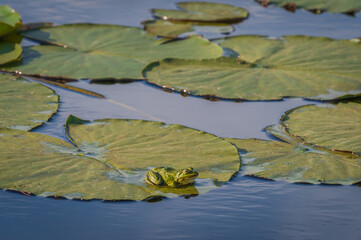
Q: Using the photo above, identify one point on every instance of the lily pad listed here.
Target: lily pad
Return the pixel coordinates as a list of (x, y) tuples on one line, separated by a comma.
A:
[(173, 29), (334, 127), (13, 37), (335, 6), (46, 166), (9, 20), (137, 145), (202, 12), (103, 51), (111, 159), (267, 69), (286, 162), (9, 52), (25, 105)]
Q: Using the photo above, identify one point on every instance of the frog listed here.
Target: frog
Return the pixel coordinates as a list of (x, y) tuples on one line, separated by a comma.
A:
[(168, 176)]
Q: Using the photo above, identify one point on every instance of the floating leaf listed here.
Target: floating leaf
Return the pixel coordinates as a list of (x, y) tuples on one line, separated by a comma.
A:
[(103, 51), (25, 105), (46, 166), (9, 52), (137, 145), (318, 6), (279, 132), (286, 162), (203, 12), (166, 28), (334, 127), (171, 29), (111, 159), (9, 20), (267, 69)]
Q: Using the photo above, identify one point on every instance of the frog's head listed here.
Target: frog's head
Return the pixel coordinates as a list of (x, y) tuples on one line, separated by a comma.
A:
[(186, 176)]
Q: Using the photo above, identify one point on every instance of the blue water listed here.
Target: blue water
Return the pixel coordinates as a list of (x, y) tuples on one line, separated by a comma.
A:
[(244, 208)]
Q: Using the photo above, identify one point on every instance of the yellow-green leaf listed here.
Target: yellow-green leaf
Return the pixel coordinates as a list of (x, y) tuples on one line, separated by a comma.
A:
[(138, 145), (334, 127), (103, 51), (203, 12), (25, 105), (267, 69), (286, 162)]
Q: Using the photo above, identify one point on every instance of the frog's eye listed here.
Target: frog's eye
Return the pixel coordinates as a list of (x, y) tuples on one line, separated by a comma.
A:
[(186, 171)]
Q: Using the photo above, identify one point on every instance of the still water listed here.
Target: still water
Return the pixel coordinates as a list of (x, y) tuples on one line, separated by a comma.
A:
[(244, 208)]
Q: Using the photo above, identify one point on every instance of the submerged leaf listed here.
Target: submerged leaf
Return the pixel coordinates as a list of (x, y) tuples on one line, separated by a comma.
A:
[(268, 69), (25, 105), (203, 12), (138, 145), (286, 162), (103, 51), (334, 127)]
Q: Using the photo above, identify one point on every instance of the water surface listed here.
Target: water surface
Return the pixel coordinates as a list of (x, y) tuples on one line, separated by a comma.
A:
[(244, 208)]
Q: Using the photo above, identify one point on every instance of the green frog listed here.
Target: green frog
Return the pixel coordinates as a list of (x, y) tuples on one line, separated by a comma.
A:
[(167, 176)]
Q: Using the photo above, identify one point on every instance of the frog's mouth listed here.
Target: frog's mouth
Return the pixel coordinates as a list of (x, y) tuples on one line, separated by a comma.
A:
[(189, 179)]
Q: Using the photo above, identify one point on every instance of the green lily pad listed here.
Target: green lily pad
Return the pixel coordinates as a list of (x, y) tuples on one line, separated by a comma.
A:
[(335, 6), (111, 159), (267, 69), (25, 105), (171, 29), (137, 145), (286, 162), (202, 12), (103, 51), (334, 127), (46, 166), (9, 20), (9, 52)]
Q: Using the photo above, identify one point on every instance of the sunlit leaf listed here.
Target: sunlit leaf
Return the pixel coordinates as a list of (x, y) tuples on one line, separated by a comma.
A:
[(286, 162), (137, 145), (9, 52), (203, 12), (267, 69), (46, 166), (334, 127), (25, 105), (166, 28), (110, 159), (103, 51)]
